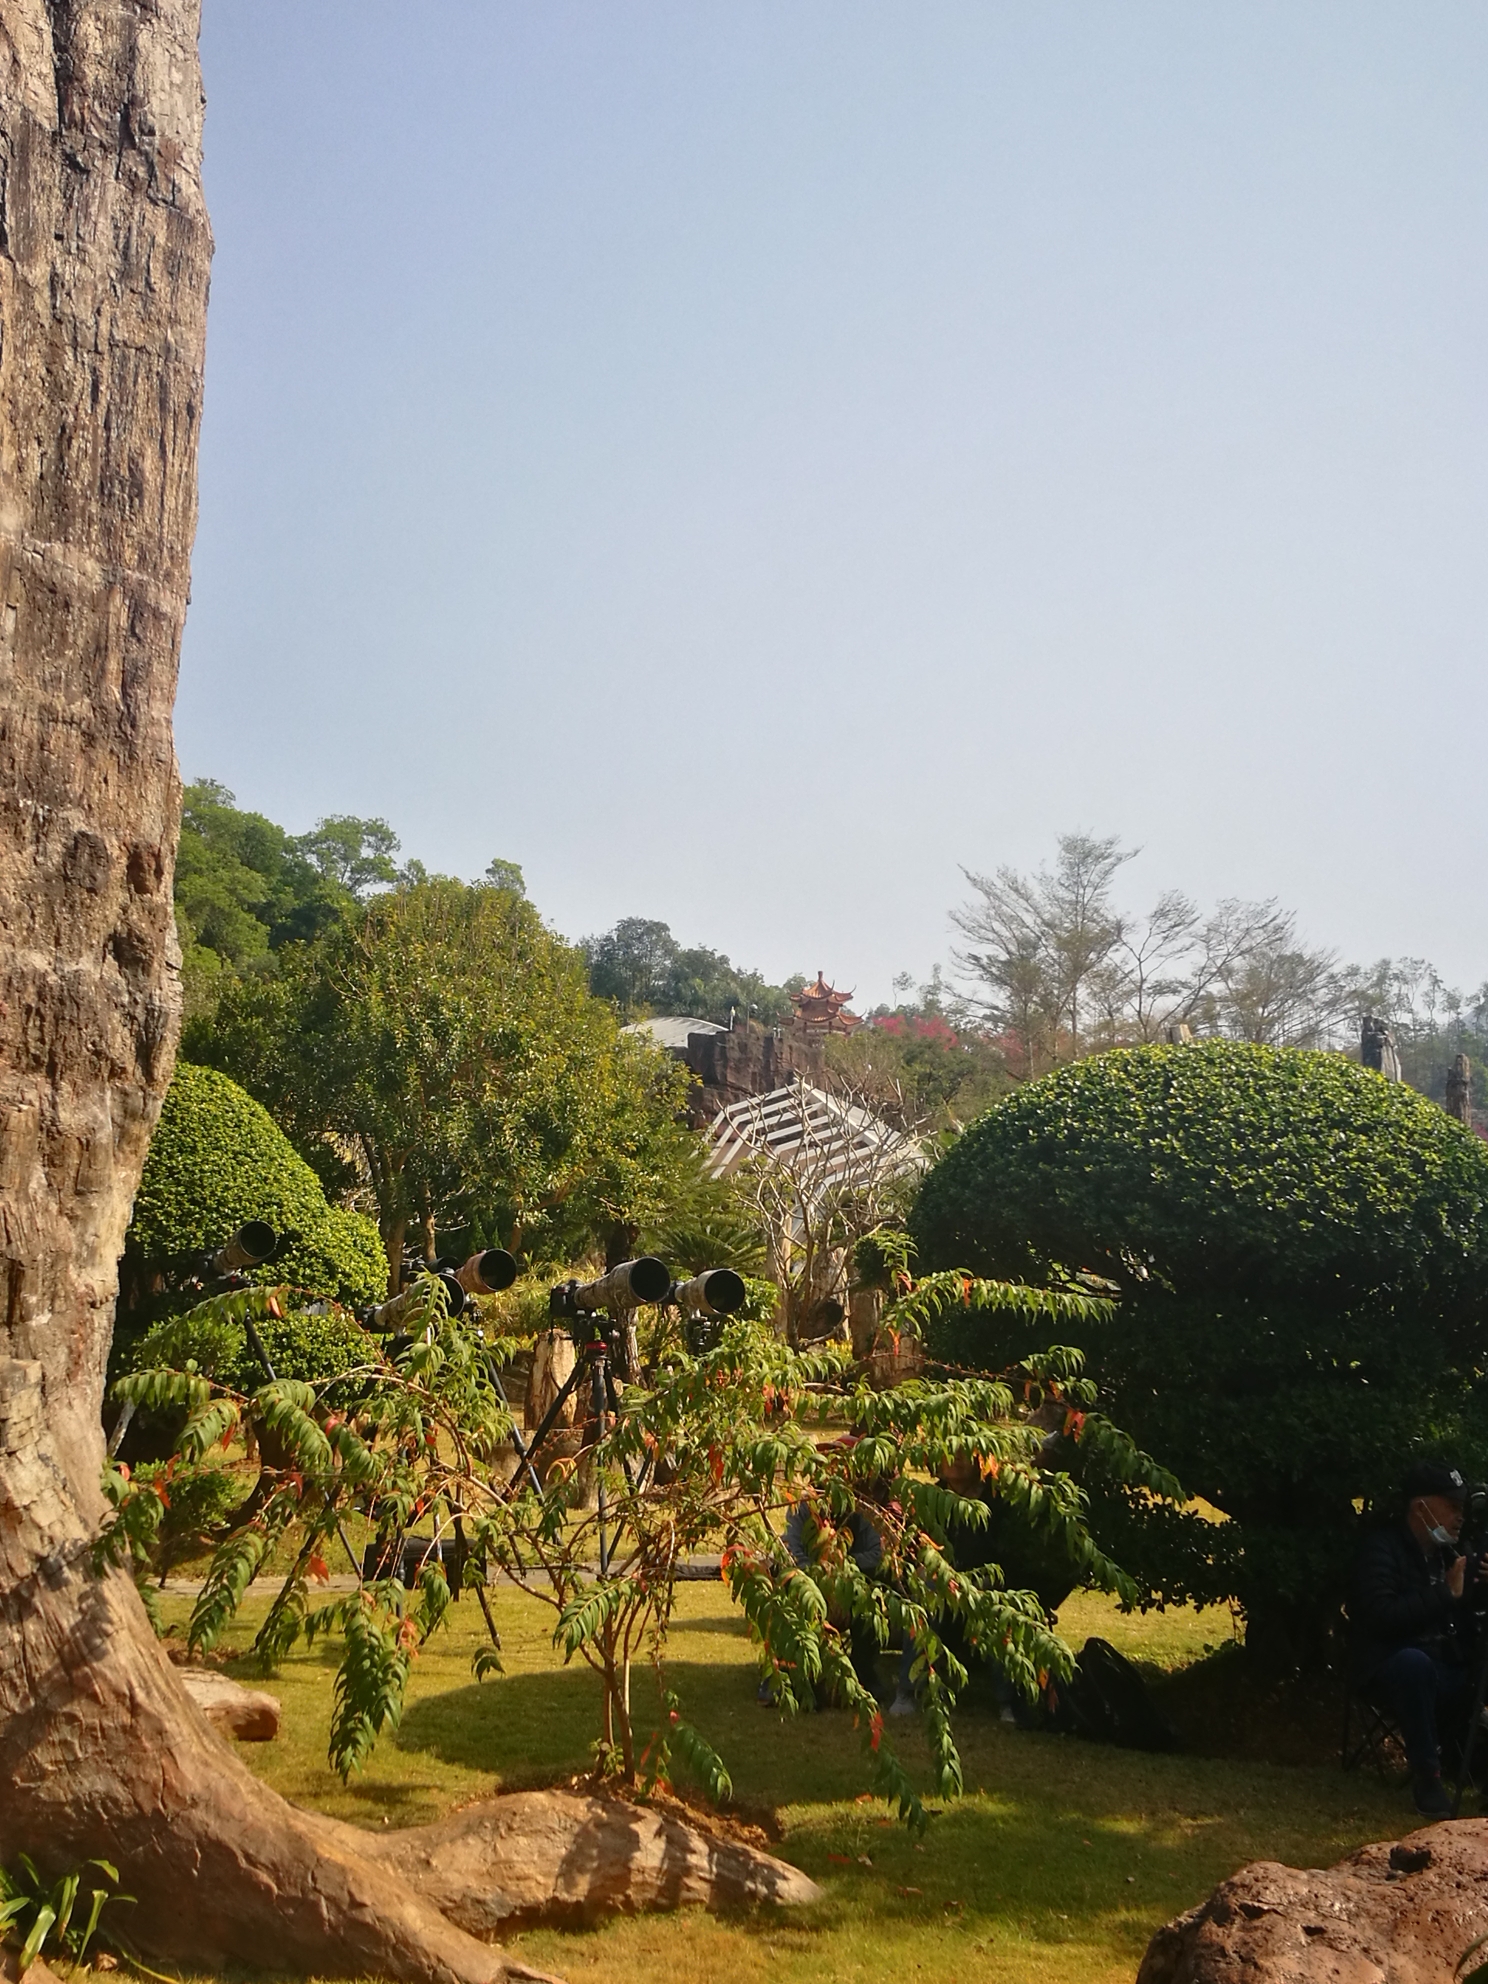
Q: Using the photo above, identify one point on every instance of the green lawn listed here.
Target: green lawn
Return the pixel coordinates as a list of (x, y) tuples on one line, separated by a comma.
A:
[(1055, 1868)]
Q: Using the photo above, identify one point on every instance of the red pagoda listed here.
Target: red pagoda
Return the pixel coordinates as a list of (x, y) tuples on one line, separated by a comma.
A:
[(819, 1009)]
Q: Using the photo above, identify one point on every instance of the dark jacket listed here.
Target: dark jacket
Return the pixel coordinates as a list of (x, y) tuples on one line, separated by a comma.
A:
[(866, 1548), (1399, 1598)]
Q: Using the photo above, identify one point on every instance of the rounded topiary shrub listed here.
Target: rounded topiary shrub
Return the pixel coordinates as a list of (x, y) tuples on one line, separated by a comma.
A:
[(1300, 1250), (218, 1159)]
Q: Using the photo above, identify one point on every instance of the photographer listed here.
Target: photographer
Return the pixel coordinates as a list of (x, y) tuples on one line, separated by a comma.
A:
[(803, 1540), (1412, 1623)]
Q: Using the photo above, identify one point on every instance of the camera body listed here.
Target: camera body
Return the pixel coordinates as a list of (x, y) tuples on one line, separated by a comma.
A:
[(1472, 1542), (1474, 1535)]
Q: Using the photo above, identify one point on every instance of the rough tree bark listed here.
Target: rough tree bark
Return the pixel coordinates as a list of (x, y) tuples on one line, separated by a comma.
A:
[(104, 253)]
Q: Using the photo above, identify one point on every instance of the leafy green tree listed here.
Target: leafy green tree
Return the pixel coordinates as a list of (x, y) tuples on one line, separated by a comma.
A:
[(244, 887), (631, 963), (439, 1049), (354, 856), (641, 968), (505, 875), (1300, 1251)]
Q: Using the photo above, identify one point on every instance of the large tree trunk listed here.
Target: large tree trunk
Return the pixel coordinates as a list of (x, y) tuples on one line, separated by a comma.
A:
[(104, 252)]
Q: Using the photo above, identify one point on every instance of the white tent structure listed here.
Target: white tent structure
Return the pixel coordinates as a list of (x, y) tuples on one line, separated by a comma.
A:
[(839, 1143), (821, 1171)]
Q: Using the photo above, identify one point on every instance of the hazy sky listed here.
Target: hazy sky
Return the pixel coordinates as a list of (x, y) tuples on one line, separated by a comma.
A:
[(743, 461)]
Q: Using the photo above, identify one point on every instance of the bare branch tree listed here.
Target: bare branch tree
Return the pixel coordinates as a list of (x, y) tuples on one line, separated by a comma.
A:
[(1148, 982), (1053, 963), (820, 1171), (1041, 942), (1266, 986)]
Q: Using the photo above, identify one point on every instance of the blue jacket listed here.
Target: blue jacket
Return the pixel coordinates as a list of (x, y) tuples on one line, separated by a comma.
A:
[(866, 1548)]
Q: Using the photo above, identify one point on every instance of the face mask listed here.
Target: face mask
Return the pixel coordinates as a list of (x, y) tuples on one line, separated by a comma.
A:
[(1437, 1533)]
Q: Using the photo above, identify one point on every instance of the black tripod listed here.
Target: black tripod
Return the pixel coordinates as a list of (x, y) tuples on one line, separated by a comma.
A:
[(592, 1332), (1480, 1692)]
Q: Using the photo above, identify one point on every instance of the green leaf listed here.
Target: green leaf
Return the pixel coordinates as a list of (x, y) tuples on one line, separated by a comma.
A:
[(584, 1618), (46, 1915)]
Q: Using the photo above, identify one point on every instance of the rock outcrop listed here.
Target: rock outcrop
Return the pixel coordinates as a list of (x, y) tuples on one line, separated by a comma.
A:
[(1399, 1913), (556, 1858)]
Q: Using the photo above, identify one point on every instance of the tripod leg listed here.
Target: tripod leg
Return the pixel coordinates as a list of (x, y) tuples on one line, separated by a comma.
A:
[(351, 1555), (614, 1398), (256, 1343), (524, 1453), (597, 1409), (549, 1418), (1480, 1694)]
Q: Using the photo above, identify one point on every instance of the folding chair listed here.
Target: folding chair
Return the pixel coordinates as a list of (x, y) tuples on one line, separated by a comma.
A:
[(1370, 1735)]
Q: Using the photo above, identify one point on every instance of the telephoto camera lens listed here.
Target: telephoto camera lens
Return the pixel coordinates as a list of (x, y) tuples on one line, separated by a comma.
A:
[(249, 1247), (487, 1272), (714, 1292)]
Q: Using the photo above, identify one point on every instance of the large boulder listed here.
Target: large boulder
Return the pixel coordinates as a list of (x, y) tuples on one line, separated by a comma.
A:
[(1400, 1913), (552, 1857)]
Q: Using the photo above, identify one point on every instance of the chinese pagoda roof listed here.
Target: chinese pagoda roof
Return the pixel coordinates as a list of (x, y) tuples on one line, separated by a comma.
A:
[(821, 1005)]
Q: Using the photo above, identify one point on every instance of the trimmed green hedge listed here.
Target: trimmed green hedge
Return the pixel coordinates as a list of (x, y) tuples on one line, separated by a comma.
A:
[(218, 1159), (1301, 1252), (1217, 1164)]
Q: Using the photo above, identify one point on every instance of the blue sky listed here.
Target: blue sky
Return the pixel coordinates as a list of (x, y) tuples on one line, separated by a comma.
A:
[(744, 462)]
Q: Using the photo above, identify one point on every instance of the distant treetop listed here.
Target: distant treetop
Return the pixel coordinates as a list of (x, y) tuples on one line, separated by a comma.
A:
[(641, 968)]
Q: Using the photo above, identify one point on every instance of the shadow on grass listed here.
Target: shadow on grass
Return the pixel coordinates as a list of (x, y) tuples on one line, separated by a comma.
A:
[(1068, 1840), (529, 1729), (1054, 1834), (731, 1626)]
